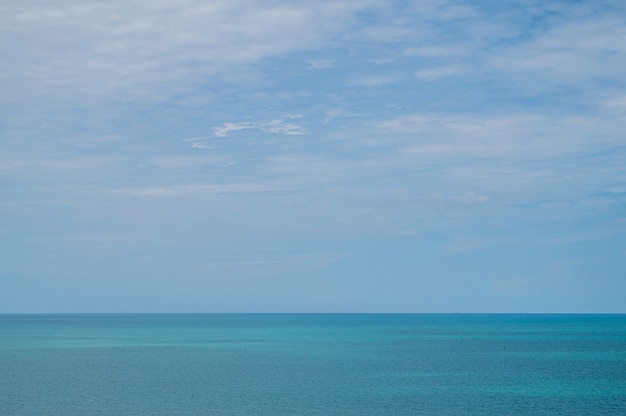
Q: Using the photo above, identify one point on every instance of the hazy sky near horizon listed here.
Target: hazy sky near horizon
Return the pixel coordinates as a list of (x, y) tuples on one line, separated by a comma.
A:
[(313, 156)]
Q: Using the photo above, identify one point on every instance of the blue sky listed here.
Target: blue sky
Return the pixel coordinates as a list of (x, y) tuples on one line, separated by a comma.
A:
[(313, 156)]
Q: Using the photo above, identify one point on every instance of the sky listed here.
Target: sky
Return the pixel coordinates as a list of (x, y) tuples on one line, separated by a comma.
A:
[(313, 156)]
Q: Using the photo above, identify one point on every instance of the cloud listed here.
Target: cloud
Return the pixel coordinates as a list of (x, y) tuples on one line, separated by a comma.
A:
[(151, 47), (197, 189), (228, 127), (514, 134), (276, 126), (314, 64), (280, 127), (618, 102), (544, 165), (377, 80), (341, 113), (579, 52)]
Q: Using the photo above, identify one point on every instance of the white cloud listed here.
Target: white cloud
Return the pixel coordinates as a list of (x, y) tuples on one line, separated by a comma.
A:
[(380, 61), (377, 80), (276, 126), (148, 47), (197, 189), (339, 113), (616, 102), (228, 127), (314, 64), (280, 127), (528, 133), (513, 159), (576, 52)]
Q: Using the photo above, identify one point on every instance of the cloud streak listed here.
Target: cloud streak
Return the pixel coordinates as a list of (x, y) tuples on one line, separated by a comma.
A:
[(139, 47), (276, 126)]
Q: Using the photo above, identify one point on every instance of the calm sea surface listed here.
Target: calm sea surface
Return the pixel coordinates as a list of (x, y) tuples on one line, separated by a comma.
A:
[(287, 364)]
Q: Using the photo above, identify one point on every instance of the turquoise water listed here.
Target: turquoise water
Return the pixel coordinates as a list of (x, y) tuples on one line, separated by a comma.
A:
[(287, 364)]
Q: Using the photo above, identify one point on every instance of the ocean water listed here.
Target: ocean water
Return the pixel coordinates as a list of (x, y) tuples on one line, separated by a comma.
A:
[(326, 364)]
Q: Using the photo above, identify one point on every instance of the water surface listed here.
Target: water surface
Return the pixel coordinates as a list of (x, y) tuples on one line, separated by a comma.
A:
[(309, 364)]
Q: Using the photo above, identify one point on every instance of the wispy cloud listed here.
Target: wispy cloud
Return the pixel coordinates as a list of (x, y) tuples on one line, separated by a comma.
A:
[(376, 80), (226, 128), (578, 52), (276, 126), (315, 64), (198, 189), (144, 47), (341, 113)]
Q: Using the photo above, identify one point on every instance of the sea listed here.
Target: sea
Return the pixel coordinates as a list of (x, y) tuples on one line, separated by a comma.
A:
[(312, 364)]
